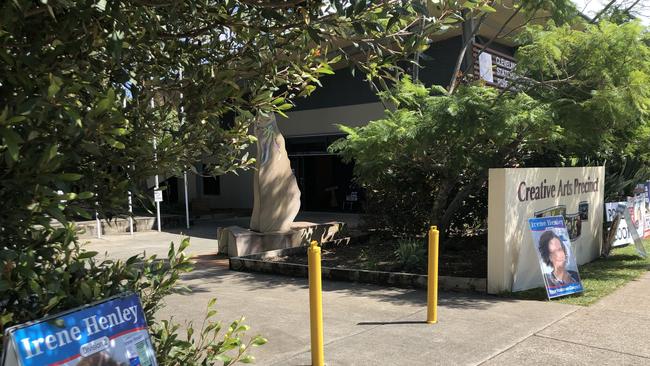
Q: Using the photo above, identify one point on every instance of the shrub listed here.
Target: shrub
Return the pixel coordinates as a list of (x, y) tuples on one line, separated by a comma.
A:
[(411, 254)]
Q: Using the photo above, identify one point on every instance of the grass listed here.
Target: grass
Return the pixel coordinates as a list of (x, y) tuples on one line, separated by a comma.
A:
[(600, 277)]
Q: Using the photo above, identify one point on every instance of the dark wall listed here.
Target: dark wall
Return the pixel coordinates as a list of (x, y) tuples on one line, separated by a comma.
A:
[(343, 88), (338, 90), (439, 61)]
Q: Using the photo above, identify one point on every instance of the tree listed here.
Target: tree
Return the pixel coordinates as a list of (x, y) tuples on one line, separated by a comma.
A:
[(424, 162), (87, 86), (582, 97)]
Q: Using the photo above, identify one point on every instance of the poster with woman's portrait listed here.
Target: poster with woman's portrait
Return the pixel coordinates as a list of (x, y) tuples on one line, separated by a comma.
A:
[(112, 332), (553, 248)]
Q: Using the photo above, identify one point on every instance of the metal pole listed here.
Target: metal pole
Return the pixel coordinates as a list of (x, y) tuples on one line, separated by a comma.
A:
[(130, 213), (98, 225), (155, 159), (187, 206), (432, 276), (315, 305), (130, 195)]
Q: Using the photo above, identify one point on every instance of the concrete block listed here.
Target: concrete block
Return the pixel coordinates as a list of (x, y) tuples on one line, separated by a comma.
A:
[(238, 241)]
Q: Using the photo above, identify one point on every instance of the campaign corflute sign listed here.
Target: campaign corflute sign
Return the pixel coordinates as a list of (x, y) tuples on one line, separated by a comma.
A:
[(555, 254), (110, 333)]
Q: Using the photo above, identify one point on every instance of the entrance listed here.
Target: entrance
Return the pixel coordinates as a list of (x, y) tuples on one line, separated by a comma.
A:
[(323, 178)]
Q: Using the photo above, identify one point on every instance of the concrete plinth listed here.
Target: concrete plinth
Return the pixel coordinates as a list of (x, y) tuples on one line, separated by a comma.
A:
[(238, 241)]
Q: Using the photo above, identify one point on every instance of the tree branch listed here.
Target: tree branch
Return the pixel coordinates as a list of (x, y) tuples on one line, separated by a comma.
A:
[(602, 11)]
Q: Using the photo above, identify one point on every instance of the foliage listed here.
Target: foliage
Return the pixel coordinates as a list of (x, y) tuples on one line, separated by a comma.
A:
[(411, 254), (87, 87), (425, 160), (78, 79), (598, 80), (31, 289), (582, 97), (205, 345), (622, 177)]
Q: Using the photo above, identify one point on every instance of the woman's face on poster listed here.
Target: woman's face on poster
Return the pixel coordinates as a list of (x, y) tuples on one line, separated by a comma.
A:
[(556, 253)]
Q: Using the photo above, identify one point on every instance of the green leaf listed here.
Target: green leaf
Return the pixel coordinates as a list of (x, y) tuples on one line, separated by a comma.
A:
[(247, 359), (85, 195), (325, 69), (488, 9), (11, 140), (285, 106), (259, 341), (55, 86), (53, 302), (114, 143), (224, 358), (420, 8), (69, 177), (85, 289), (106, 102), (86, 255)]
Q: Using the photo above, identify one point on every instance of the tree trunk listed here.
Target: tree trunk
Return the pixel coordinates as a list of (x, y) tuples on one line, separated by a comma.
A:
[(438, 209)]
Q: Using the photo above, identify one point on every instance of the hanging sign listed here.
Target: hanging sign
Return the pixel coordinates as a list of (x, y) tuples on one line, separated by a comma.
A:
[(495, 68), (110, 333)]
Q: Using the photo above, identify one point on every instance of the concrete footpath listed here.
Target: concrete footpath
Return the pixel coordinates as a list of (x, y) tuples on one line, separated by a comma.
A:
[(371, 325)]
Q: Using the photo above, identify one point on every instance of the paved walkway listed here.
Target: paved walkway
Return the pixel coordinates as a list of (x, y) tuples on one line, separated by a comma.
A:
[(371, 325)]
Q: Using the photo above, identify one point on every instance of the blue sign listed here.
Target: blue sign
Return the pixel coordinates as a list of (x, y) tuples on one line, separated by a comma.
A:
[(111, 333), (553, 248)]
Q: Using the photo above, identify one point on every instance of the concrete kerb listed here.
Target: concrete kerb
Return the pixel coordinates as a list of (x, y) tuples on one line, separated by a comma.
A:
[(263, 263)]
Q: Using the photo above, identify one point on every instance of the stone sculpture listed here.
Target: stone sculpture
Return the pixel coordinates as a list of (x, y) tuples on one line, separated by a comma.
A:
[(275, 190)]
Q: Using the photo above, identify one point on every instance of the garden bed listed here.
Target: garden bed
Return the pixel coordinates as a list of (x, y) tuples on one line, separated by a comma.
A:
[(460, 268)]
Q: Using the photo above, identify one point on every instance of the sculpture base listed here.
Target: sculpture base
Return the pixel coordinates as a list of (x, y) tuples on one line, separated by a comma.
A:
[(238, 241)]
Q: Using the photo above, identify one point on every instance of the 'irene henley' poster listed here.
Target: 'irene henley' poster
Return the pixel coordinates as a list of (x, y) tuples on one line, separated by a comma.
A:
[(553, 248), (111, 333)]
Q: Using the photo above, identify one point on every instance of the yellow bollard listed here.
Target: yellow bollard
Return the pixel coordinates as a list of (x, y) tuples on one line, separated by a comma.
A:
[(315, 305), (432, 276)]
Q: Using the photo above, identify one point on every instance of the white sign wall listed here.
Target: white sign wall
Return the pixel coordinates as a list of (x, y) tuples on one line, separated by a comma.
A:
[(515, 195)]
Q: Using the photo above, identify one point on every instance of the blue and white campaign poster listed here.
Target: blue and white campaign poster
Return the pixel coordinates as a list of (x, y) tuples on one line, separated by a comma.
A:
[(553, 248), (110, 333)]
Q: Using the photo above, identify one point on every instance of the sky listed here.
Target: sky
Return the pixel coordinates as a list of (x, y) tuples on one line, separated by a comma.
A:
[(591, 8)]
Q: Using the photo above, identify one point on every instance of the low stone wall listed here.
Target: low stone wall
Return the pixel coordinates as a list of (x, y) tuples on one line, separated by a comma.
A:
[(117, 226), (261, 263)]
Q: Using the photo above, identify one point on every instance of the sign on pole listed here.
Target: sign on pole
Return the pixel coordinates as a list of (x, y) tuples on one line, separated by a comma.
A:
[(111, 332), (158, 195)]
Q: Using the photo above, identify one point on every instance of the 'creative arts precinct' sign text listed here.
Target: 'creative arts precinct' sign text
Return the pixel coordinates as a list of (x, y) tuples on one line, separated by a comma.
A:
[(541, 190), (110, 333)]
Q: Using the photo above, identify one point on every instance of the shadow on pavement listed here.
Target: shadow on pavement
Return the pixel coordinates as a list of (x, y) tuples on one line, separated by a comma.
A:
[(205, 279)]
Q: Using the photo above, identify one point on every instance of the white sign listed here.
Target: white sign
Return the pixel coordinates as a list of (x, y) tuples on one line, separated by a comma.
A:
[(516, 195), (157, 195), (485, 67), (623, 234)]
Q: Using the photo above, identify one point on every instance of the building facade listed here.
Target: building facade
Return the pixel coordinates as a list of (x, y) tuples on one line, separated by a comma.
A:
[(324, 180)]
